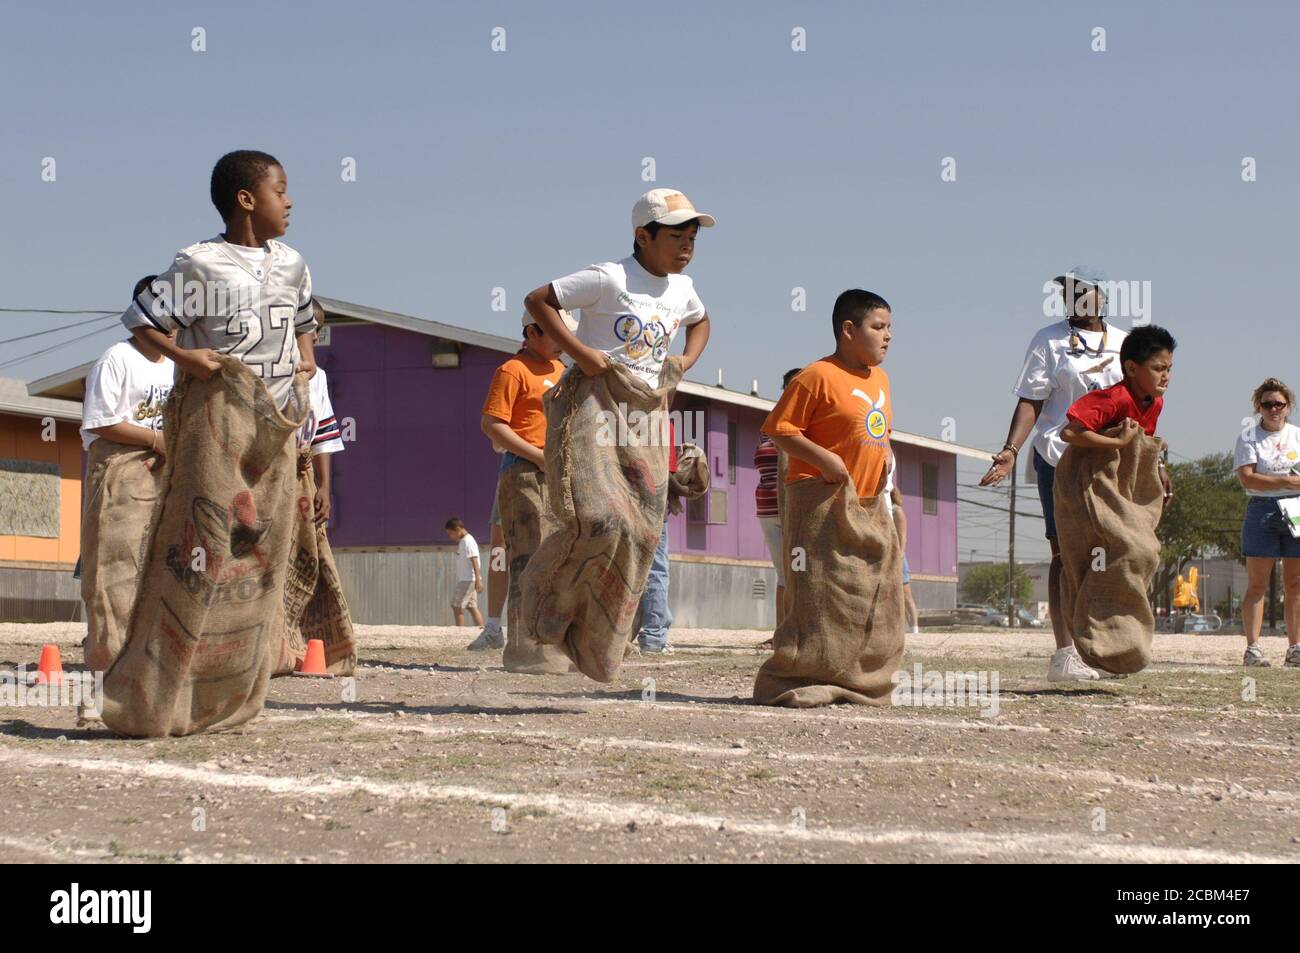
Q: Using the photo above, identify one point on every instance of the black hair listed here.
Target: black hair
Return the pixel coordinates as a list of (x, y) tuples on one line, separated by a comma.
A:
[(653, 229), (455, 523), (234, 172), (790, 375), (853, 305), (1145, 341), (140, 285)]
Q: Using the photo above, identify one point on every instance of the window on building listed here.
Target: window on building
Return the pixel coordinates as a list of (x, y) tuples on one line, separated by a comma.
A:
[(732, 440), (929, 488)]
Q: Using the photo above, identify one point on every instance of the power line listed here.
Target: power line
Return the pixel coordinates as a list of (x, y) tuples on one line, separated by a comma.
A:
[(1000, 509), (59, 311), (63, 327), (53, 347)]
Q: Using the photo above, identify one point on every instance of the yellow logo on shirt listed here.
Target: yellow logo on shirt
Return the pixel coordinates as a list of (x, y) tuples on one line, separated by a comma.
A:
[(876, 424)]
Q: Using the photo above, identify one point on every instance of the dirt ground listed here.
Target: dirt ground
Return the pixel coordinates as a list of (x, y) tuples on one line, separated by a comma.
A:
[(437, 754)]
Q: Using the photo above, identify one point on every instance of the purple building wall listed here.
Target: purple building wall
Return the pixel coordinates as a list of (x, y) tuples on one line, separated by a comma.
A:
[(419, 456)]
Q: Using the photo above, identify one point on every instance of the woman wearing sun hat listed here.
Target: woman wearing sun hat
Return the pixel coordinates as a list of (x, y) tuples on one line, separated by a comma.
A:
[(1064, 361)]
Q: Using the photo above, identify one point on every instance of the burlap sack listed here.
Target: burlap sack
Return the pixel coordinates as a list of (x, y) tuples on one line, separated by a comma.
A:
[(525, 522), (314, 604), (120, 492), (691, 481), (1108, 503), (607, 486), (204, 637), (842, 636)]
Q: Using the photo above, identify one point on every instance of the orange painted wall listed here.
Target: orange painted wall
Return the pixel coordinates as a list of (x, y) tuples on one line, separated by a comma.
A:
[(20, 438)]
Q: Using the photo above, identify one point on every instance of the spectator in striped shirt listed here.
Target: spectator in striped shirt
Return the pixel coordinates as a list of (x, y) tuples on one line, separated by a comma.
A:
[(320, 431), (768, 463)]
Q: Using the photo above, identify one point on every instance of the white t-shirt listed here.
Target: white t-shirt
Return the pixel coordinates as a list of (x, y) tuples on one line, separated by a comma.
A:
[(629, 313), (125, 386), (466, 550), (1274, 453), (1059, 374), (320, 430)]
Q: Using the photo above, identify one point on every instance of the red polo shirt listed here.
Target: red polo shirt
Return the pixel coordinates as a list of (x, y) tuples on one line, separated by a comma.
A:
[(1099, 409)]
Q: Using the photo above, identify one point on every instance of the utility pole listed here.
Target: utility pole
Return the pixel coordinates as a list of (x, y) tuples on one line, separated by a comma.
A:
[(1011, 554)]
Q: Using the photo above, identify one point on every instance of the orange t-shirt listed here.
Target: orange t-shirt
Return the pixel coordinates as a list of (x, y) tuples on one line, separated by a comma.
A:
[(515, 395), (847, 412)]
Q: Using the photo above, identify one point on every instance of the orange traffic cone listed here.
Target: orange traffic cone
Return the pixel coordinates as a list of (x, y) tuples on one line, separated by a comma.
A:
[(50, 669), (313, 662)]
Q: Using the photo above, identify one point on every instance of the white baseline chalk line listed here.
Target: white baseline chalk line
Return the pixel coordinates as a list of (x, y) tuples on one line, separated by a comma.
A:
[(618, 814), (1196, 787)]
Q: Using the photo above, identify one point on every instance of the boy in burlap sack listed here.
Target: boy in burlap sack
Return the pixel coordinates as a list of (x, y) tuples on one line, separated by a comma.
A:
[(607, 433), (513, 418), (841, 639), (121, 430), (1109, 495), (315, 605), (208, 622)]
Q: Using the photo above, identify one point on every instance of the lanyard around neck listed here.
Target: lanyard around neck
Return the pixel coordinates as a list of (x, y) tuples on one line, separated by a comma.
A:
[(1079, 346)]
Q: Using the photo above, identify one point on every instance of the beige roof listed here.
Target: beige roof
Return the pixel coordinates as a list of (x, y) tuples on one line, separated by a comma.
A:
[(14, 399), (71, 383)]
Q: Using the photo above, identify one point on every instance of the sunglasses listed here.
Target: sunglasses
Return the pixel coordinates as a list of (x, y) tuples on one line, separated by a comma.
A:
[(1273, 404)]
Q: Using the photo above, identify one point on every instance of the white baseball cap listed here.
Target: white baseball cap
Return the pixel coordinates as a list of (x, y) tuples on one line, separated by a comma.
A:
[(667, 207), (1089, 275), (569, 320)]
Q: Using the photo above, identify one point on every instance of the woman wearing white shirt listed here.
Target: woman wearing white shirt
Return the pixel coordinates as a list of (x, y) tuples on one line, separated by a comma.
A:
[(1266, 459), (1064, 361)]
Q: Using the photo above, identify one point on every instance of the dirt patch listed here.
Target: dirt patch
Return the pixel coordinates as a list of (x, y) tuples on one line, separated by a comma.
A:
[(434, 753)]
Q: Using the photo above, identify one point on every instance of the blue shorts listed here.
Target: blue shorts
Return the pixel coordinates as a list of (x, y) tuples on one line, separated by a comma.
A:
[(907, 573), (1046, 474), (1264, 532)]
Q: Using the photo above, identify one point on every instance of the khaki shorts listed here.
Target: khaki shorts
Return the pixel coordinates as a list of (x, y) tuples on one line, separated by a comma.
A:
[(465, 597)]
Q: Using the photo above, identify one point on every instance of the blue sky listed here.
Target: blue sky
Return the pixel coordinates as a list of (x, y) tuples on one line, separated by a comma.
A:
[(478, 169)]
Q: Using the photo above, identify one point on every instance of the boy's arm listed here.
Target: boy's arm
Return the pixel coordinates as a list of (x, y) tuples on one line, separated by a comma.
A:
[(697, 335), (830, 464), (543, 304), (131, 435), (307, 350), (499, 432), (202, 362), (1120, 435), (900, 523), (478, 579), (320, 464)]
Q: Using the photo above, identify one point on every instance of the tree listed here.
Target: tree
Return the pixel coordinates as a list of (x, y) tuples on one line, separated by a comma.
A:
[(987, 583), (1204, 516)]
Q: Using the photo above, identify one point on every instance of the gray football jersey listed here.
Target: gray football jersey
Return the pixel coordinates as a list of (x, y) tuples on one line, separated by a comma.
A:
[(213, 297)]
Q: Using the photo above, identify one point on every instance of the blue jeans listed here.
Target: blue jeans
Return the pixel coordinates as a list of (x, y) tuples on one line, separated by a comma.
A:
[(656, 617), (1046, 474), (1264, 532)]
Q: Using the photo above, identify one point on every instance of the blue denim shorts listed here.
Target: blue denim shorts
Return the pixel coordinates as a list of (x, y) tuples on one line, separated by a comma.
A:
[(1264, 532), (1046, 474), (907, 572)]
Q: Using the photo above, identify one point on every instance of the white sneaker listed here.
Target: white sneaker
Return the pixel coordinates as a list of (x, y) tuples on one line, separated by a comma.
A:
[(1066, 666), (1292, 657), (1254, 657), (490, 638)]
